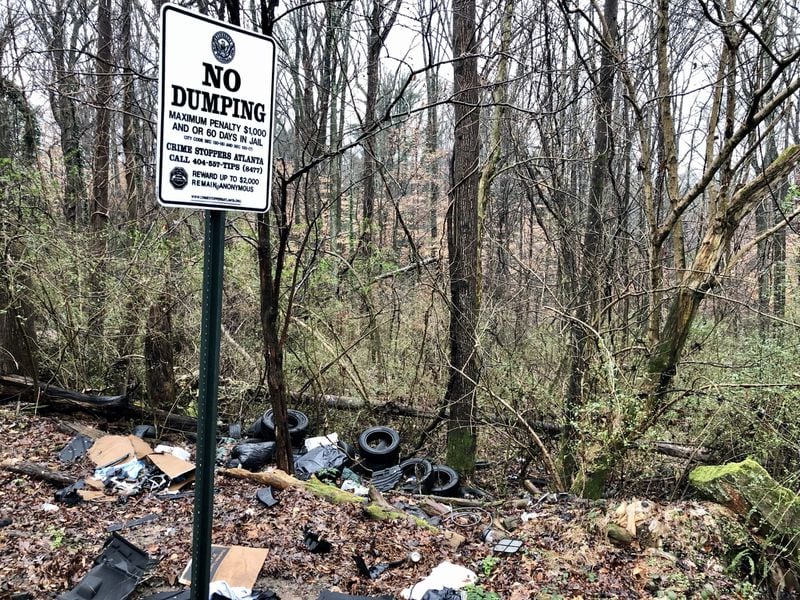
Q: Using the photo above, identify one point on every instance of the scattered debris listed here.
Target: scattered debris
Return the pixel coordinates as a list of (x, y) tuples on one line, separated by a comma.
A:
[(445, 575), (252, 456), (132, 523), (507, 546), (316, 544), (328, 595), (76, 448), (266, 498), (145, 431), (321, 457), (377, 570), (69, 495), (117, 571), (387, 479), (329, 439)]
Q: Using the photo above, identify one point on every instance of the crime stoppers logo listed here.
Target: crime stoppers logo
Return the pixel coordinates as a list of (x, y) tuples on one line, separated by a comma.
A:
[(178, 177), (223, 47)]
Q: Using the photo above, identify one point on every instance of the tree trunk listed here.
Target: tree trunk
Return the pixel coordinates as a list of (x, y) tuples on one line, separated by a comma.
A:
[(159, 355), (587, 309), (462, 243), (269, 287)]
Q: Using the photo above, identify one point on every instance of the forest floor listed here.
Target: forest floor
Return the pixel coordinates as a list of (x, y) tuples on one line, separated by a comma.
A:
[(680, 549)]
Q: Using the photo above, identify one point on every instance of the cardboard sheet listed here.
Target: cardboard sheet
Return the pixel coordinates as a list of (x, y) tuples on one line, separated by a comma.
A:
[(238, 566)]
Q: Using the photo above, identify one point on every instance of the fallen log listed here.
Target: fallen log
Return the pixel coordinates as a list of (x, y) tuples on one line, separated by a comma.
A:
[(747, 489), (378, 509), (37, 471), (24, 389)]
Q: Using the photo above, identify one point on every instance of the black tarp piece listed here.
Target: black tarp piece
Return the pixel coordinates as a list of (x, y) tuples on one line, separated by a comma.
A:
[(132, 523), (117, 571), (76, 448), (266, 498), (442, 594), (375, 571), (327, 595), (321, 457), (387, 479), (253, 455), (316, 544), (177, 595), (144, 431), (69, 495)]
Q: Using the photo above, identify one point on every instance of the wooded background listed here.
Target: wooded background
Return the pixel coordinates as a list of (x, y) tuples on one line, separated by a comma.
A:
[(574, 218)]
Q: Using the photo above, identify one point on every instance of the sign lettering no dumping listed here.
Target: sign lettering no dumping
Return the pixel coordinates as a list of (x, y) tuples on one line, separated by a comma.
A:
[(217, 92)]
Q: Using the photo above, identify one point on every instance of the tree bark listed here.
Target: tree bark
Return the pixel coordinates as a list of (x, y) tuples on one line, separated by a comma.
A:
[(159, 354), (587, 306), (463, 243)]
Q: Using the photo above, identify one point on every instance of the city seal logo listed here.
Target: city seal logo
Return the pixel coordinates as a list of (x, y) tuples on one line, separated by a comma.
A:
[(178, 177), (223, 47)]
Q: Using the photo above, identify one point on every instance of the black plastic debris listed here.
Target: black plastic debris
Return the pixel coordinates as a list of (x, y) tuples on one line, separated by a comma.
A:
[(507, 546), (442, 594), (117, 571), (387, 479), (235, 431), (328, 595), (253, 455), (254, 595), (266, 498), (76, 448), (132, 523), (69, 495), (416, 511), (375, 571), (316, 544), (5, 522), (145, 431), (321, 457), (176, 595)]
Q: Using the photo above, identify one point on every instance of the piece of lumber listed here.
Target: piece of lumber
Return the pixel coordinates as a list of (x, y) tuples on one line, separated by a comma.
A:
[(37, 471), (747, 489)]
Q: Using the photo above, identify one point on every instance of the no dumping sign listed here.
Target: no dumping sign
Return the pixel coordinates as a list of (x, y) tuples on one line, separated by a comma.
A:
[(216, 98)]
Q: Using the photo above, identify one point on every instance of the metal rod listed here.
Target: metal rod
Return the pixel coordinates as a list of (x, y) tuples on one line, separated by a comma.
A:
[(213, 260)]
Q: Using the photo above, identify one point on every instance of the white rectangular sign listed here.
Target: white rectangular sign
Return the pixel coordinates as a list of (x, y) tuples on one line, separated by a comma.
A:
[(216, 103)]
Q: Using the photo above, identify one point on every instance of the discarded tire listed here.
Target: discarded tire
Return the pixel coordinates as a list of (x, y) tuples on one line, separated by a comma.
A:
[(379, 446), (444, 481), (298, 425), (416, 475)]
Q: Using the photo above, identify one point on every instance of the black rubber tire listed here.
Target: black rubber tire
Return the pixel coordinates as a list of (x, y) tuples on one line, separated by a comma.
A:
[(420, 468), (445, 481), (379, 446), (298, 425)]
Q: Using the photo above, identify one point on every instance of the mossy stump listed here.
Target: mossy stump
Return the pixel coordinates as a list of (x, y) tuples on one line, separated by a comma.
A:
[(748, 490)]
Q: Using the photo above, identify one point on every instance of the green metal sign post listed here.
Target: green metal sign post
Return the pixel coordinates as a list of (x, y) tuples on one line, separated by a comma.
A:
[(214, 155), (213, 261)]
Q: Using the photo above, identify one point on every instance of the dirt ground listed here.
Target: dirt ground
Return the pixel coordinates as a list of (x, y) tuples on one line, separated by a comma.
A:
[(678, 550)]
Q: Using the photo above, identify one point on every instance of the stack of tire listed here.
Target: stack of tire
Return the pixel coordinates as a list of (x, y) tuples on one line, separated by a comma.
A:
[(259, 449), (379, 448), (264, 428)]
